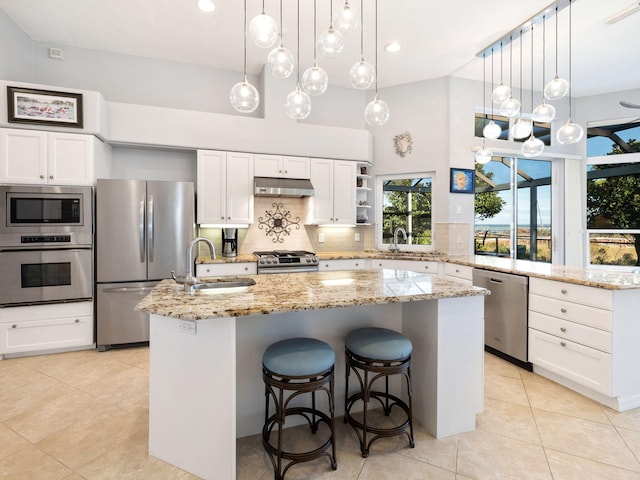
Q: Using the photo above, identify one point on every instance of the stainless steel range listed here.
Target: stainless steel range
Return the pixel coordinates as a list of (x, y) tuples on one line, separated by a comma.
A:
[(286, 261)]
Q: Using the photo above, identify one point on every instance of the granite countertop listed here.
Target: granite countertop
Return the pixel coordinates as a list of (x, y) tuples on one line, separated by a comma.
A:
[(302, 291)]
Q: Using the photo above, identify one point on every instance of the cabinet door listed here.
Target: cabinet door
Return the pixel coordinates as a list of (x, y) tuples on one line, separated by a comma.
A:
[(23, 156), (346, 264), (320, 206), (211, 181), (344, 193), (239, 187), (295, 167), (221, 269), (268, 165), (70, 159)]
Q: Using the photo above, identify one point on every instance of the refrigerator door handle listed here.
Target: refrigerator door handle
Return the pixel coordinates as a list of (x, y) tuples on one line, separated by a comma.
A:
[(141, 231), (150, 221), (134, 290)]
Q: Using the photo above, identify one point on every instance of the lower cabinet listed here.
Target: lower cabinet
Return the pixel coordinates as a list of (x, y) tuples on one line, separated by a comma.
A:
[(343, 264), (221, 269), (458, 273), (46, 327), (411, 265)]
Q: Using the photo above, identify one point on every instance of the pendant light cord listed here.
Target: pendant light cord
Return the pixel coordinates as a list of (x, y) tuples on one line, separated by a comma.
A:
[(557, 38), (244, 40), (511, 63), (361, 31), (570, 82), (492, 111), (521, 96), (484, 85), (281, 45), (298, 39), (531, 75), (544, 56), (330, 14), (376, 45), (263, 7), (501, 67), (315, 52)]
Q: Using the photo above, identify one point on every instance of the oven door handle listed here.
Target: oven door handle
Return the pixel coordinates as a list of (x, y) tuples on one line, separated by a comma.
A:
[(128, 290), (141, 230), (150, 222), (288, 269)]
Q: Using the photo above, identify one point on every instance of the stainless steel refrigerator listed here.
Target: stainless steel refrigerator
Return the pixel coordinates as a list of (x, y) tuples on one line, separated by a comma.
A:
[(143, 229)]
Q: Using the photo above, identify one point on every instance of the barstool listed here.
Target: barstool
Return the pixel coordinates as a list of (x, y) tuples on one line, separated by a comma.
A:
[(298, 365), (378, 353)]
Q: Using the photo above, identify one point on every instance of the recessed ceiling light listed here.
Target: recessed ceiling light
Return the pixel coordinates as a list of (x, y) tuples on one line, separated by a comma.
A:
[(393, 47), (206, 5)]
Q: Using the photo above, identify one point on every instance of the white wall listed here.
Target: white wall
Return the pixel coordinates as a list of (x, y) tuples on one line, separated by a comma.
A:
[(15, 59), (153, 164)]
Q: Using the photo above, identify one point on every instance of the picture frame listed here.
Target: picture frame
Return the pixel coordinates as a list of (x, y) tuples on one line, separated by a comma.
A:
[(44, 107), (462, 180)]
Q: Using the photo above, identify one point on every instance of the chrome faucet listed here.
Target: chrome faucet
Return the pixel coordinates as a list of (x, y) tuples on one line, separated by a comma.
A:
[(190, 279), (395, 247)]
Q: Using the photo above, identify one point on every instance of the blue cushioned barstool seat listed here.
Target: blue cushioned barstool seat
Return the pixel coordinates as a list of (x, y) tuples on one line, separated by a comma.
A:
[(299, 365), (378, 353)]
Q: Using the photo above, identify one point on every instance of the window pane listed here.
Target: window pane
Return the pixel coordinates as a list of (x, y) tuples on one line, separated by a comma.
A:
[(613, 196), (613, 249), (613, 139), (406, 203)]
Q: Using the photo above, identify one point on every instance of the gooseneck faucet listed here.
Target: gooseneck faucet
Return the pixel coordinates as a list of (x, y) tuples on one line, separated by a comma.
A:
[(190, 279), (395, 247)]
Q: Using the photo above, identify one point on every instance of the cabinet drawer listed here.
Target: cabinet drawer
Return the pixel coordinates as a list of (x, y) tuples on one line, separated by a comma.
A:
[(596, 297), (591, 337), (411, 265), (221, 269), (583, 365), (346, 264), (591, 316), (37, 335), (460, 271)]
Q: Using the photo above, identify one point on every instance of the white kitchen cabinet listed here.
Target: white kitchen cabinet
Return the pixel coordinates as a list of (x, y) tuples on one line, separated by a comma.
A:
[(364, 183), (204, 270), (334, 198), (411, 265), (458, 273), (37, 157), (586, 339), (343, 264), (280, 166), (225, 187), (41, 328)]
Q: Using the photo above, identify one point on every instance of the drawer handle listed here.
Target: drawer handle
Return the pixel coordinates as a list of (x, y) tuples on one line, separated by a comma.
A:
[(563, 291), (246, 268), (563, 344), (14, 326), (563, 310), (426, 267), (562, 329), (357, 264), (77, 320)]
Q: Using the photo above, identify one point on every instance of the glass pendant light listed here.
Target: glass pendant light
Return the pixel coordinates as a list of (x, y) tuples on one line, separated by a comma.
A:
[(492, 129), (483, 155), (523, 128), (376, 113), (263, 30), (557, 87), (298, 104), (331, 43), (206, 5), (314, 78), (533, 147), (280, 61), (510, 107), (501, 92), (347, 18), (362, 73), (543, 113), (570, 132), (244, 97)]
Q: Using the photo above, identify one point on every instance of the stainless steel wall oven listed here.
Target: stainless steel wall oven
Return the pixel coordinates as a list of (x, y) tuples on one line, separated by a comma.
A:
[(46, 241)]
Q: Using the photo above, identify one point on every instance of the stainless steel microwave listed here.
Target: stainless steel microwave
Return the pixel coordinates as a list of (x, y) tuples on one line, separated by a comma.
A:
[(40, 215)]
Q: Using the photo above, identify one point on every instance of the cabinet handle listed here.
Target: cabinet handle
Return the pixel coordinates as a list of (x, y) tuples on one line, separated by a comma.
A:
[(286, 171), (41, 176), (208, 270), (563, 310), (221, 218), (457, 271), (563, 291), (562, 329), (77, 320), (14, 326), (563, 344), (50, 177), (426, 267), (246, 268), (357, 264)]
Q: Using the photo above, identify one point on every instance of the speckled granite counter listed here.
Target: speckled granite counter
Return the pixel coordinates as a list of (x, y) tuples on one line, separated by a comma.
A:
[(302, 291)]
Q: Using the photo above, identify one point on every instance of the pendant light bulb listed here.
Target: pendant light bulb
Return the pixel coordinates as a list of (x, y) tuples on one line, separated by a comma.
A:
[(522, 128), (331, 43), (244, 97), (533, 147), (501, 93), (376, 113), (298, 105), (570, 133), (491, 130), (346, 18), (362, 75), (483, 155), (314, 80), (557, 88), (263, 30), (543, 113), (281, 62), (510, 107)]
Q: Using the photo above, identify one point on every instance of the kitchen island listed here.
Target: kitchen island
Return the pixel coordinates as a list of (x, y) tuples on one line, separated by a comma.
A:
[(205, 383)]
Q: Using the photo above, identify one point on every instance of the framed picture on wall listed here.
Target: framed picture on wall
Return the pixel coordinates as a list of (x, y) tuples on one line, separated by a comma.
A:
[(462, 180), (44, 107)]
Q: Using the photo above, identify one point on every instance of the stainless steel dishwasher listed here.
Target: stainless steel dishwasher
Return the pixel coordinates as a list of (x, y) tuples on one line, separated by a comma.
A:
[(505, 315)]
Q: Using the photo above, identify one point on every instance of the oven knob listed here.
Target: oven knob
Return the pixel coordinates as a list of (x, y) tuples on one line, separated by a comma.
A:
[(261, 260)]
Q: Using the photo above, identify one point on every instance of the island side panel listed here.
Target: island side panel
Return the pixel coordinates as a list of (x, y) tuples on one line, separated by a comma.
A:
[(192, 395), (447, 364)]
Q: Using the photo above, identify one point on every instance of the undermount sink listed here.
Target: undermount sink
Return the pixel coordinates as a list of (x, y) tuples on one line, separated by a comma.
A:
[(222, 285)]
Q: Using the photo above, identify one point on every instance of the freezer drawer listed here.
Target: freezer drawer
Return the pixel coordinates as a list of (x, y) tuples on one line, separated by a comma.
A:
[(117, 320)]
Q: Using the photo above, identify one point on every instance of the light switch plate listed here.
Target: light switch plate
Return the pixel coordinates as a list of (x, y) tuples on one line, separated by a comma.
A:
[(321, 238)]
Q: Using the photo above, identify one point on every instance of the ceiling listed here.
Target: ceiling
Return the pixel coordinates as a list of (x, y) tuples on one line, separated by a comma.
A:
[(439, 38)]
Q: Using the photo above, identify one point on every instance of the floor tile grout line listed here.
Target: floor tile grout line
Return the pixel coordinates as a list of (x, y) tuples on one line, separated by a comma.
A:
[(599, 462), (626, 443)]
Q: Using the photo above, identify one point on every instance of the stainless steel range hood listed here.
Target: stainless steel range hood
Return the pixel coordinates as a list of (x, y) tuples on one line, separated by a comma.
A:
[(282, 187)]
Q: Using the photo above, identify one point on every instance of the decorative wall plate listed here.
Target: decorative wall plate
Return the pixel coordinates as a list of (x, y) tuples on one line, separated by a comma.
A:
[(278, 223), (403, 143)]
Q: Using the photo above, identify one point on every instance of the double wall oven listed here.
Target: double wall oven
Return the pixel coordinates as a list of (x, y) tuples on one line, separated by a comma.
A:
[(46, 238)]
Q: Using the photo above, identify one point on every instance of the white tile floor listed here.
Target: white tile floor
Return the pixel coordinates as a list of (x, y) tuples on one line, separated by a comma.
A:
[(83, 415)]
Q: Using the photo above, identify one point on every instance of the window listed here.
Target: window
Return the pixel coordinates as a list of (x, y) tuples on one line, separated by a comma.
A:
[(406, 203), (513, 207)]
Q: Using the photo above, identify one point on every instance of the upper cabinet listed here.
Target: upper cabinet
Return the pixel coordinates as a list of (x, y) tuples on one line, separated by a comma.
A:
[(37, 157), (334, 198), (363, 191), (225, 187), (281, 166)]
